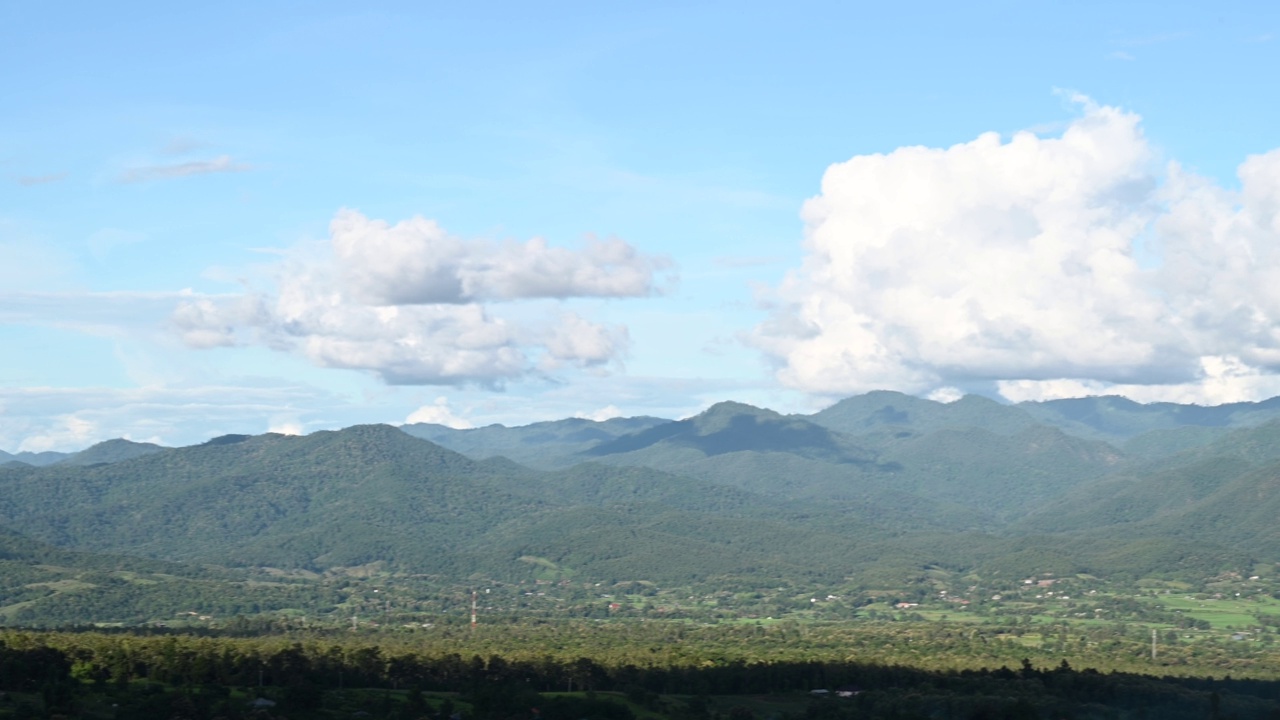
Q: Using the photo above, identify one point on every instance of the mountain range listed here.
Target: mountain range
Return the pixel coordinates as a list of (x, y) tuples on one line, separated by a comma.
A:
[(874, 486)]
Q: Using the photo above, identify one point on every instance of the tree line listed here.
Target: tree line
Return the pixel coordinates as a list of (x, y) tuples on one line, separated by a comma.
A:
[(62, 666)]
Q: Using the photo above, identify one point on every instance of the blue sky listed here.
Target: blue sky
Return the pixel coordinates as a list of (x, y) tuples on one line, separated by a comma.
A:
[(296, 216)]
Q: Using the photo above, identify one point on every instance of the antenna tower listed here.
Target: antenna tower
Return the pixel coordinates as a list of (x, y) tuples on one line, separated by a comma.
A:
[(474, 595)]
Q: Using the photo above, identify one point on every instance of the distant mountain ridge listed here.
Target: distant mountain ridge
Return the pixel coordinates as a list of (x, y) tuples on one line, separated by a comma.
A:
[(881, 409), (34, 459), (107, 451), (879, 483), (1113, 419), (367, 493), (111, 451)]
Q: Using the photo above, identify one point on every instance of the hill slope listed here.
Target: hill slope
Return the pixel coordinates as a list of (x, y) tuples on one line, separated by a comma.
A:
[(543, 445), (110, 451), (345, 497), (929, 473), (735, 491), (374, 493)]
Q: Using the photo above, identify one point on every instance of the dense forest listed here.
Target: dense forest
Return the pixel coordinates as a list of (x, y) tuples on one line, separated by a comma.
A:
[(149, 676), (1085, 558)]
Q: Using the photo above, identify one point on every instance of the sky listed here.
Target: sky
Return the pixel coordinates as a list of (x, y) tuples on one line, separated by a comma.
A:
[(282, 216)]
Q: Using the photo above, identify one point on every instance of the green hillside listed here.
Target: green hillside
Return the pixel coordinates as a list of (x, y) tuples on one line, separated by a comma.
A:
[(46, 585), (373, 493), (950, 476), (875, 410), (36, 459), (735, 496), (331, 498), (111, 451), (1117, 418)]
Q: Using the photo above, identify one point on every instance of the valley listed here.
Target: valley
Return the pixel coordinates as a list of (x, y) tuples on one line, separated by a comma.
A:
[(903, 532)]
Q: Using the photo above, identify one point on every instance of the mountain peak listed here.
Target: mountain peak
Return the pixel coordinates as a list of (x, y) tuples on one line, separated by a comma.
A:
[(726, 405), (731, 407), (111, 451)]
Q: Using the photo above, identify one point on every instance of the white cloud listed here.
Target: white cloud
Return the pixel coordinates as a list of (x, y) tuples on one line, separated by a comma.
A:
[(608, 412), (285, 427), (147, 173), (66, 431), (1022, 261), (417, 262), (70, 419), (946, 395), (438, 413), (577, 340), (1222, 379), (403, 301), (212, 321)]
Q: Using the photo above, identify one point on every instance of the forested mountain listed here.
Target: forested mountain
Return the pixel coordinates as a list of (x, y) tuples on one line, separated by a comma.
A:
[(1117, 418), (52, 585), (110, 451), (541, 445), (958, 475), (879, 485), (373, 493), (32, 458), (331, 498), (1223, 492), (885, 409)]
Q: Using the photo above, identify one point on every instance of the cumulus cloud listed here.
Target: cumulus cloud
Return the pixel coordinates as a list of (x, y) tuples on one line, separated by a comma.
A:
[(147, 173), (417, 262), (575, 339), (1072, 259), (438, 413), (405, 301)]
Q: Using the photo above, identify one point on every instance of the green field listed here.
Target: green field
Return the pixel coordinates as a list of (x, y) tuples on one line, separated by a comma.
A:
[(1227, 613)]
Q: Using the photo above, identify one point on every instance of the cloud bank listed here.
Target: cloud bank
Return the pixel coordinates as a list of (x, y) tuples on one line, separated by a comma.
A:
[(418, 306), (1044, 267), (69, 419)]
